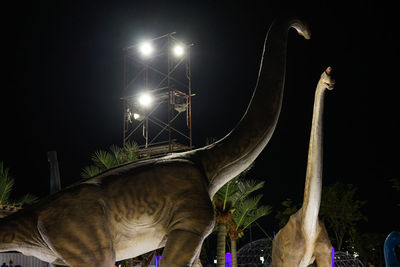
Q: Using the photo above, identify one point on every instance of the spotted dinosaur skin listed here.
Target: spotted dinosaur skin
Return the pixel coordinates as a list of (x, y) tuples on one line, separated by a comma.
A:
[(304, 238), (156, 202)]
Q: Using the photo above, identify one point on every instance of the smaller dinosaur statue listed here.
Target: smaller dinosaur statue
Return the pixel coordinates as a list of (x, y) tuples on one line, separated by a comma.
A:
[(304, 238)]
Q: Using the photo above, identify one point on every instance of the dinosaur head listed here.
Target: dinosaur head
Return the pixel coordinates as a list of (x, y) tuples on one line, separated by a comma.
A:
[(302, 28), (327, 78)]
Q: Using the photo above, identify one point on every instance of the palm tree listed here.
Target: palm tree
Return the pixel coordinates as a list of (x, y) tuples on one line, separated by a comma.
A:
[(225, 201), (104, 160), (246, 212), (223, 215)]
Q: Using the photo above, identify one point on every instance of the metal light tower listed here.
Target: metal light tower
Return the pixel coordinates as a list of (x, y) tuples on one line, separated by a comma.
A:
[(157, 96)]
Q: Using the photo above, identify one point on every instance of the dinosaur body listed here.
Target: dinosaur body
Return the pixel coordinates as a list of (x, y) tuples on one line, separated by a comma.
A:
[(304, 238), (156, 202)]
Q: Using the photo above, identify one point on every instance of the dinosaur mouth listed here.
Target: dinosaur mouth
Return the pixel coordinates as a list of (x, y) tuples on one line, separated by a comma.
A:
[(330, 85)]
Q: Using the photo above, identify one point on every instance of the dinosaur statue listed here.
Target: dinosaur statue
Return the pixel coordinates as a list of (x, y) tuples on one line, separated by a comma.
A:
[(155, 202), (304, 238)]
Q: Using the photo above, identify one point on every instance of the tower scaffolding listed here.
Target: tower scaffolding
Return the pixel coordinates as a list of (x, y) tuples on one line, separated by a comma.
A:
[(157, 96)]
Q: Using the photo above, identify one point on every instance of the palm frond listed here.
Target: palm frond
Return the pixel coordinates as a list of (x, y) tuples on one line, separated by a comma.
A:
[(104, 159), (130, 145), (245, 187), (226, 192), (27, 199), (90, 171), (6, 184), (130, 151), (5, 190), (117, 153), (256, 214), (244, 208), (3, 170)]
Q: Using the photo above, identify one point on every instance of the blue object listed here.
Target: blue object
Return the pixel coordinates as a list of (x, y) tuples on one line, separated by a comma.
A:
[(228, 259), (333, 256), (392, 240)]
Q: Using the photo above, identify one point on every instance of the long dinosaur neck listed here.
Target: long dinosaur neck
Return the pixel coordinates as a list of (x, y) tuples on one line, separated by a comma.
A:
[(313, 185), (231, 155)]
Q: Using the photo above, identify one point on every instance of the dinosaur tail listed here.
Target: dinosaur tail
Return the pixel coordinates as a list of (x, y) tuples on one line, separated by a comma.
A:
[(232, 154)]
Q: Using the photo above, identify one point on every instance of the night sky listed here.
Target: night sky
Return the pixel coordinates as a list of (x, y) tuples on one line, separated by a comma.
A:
[(62, 81)]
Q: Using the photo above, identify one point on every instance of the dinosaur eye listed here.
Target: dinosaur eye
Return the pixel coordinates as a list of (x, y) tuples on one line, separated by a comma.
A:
[(328, 70)]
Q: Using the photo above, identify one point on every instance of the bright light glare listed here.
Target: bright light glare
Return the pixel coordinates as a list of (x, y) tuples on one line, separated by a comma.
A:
[(262, 259), (145, 99), (136, 116), (178, 50), (146, 49)]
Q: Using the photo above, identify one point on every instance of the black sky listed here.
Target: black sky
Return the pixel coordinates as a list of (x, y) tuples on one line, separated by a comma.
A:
[(62, 81)]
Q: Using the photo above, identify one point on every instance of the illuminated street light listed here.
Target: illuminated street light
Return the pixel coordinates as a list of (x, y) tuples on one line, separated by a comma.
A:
[(178, 50), (146, 49), (145, 100)]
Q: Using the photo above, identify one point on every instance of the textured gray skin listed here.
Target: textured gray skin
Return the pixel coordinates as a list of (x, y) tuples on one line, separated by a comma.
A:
[(153, 203)]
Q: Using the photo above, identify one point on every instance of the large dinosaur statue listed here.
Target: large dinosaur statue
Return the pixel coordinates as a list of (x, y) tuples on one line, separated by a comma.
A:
[(304, 238), (156, 202)]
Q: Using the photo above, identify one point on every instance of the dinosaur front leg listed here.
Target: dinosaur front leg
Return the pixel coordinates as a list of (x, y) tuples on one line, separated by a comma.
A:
[(182, 249)]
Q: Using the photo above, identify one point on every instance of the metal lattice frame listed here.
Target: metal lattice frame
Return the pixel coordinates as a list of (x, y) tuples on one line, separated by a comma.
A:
[(344, 259), (250, 254), (166, 126)]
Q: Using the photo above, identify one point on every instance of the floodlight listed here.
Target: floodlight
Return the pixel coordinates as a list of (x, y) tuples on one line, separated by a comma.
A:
[(136, 116), (145, 99), (178, 50), (146, 49)]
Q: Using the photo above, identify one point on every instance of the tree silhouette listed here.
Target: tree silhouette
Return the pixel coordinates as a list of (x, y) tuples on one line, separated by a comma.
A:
[(341, 210)]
